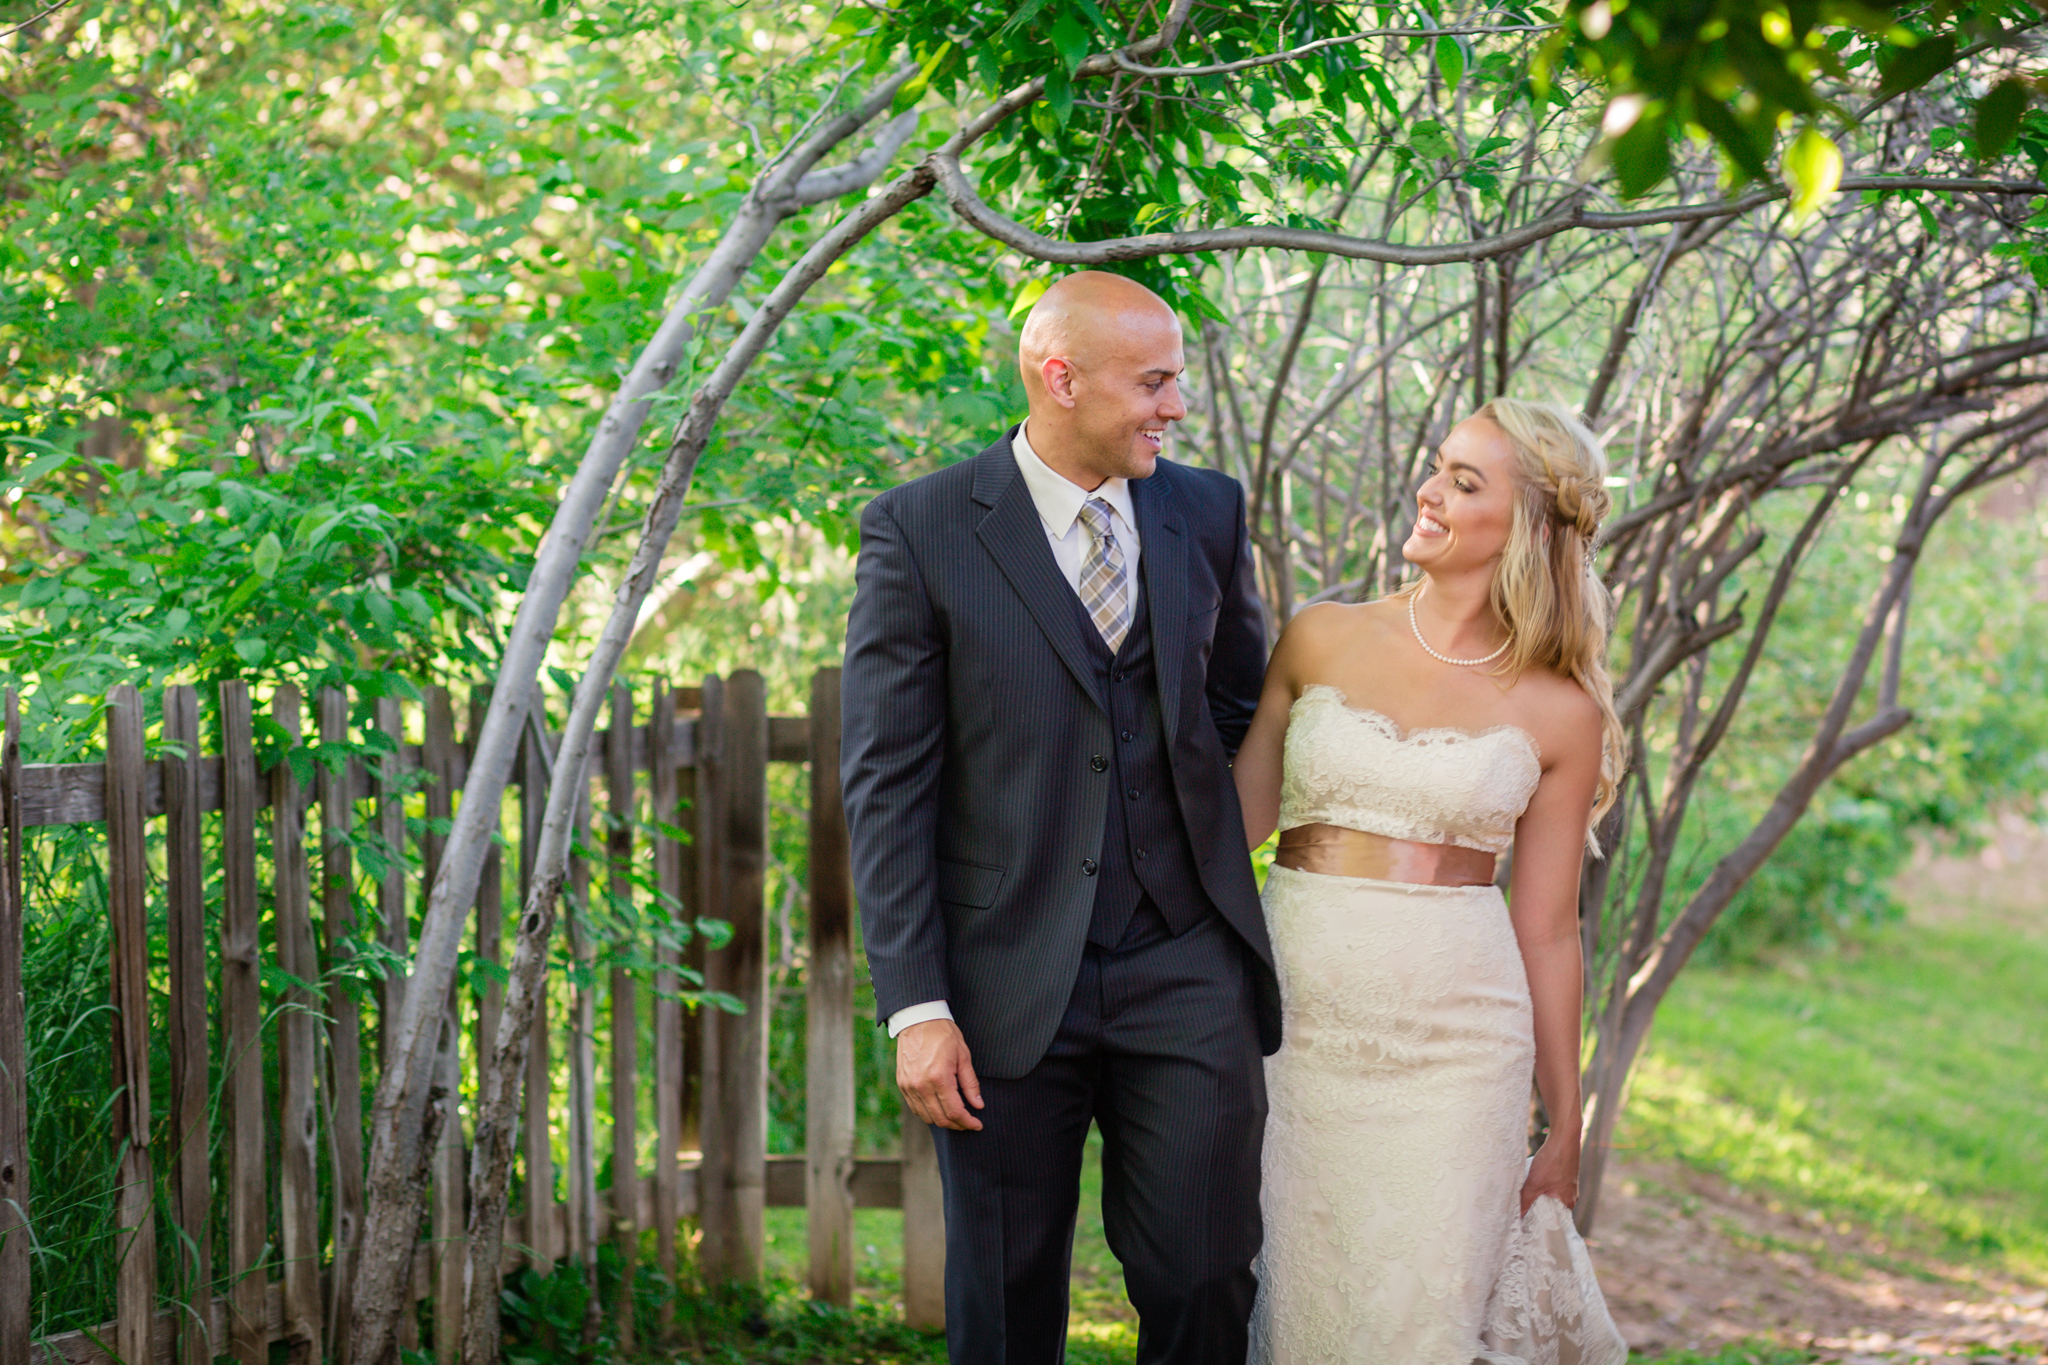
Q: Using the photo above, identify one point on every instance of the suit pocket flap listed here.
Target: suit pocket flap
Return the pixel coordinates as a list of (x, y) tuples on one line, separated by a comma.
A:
[(968, 883)]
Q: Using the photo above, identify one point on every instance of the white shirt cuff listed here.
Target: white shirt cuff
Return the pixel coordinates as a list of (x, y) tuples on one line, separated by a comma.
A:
[(918, 1014)]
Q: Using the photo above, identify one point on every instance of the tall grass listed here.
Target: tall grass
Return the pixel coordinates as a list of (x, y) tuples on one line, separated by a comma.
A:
[(73, 1166)]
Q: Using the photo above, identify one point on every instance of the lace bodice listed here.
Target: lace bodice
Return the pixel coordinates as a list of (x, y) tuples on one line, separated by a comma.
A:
[(1356, 769)]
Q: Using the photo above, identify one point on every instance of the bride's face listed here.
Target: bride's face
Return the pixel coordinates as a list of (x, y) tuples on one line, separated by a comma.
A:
[(1466, 507)]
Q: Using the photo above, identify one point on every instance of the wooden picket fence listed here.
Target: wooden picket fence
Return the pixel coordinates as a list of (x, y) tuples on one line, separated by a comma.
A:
[(699, 762)]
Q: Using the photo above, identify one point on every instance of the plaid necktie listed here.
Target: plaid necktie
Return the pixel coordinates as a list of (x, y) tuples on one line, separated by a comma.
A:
[(1105, 588)]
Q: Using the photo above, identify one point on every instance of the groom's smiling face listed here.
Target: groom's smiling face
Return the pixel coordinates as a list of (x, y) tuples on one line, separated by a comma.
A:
[(1102, 359)]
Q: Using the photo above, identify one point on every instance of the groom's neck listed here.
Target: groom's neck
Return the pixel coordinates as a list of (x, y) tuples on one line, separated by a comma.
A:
[(1056, 449)]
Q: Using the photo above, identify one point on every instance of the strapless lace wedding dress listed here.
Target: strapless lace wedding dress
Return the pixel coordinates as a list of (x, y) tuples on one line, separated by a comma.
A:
[(1396, 1139)]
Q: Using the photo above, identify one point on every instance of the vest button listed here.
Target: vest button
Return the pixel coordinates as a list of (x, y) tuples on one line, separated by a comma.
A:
[(1099, 763), (1121, 675), (1128, 736), (1132, 793), (1087, 867), (1141, 855)]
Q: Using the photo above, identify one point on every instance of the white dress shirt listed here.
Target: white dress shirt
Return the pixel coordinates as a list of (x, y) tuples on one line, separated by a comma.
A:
[(1059, 501)]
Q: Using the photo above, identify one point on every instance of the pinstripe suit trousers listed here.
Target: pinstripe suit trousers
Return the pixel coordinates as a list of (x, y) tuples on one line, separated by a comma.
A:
[(1159, 1048)]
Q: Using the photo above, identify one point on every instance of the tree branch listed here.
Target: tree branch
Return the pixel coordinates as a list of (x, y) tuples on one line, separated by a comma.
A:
[(1147, 246)]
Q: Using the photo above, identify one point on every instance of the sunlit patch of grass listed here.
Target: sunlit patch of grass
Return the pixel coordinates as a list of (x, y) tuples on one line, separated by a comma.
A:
[(1738, 1353), (1903, 1087)]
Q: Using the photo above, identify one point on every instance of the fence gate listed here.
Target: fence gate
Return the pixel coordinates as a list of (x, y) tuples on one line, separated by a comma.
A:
[(697, 763)]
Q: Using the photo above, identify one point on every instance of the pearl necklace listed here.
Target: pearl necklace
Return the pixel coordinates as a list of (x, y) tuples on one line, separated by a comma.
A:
[(1416, 596)]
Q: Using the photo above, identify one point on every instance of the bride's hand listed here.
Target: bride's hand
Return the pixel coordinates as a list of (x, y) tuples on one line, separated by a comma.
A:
[(1554, 1171)]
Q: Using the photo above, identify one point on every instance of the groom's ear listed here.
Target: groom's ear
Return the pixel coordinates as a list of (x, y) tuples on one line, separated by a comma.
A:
[(1059, 375)]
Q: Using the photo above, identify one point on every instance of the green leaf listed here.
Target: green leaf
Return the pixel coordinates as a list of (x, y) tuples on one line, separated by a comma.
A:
[(1059, 94), (1642, 154), (251, 651), (913, 89), (1024, 15), (1070, 37), (1450, 61), (1913, 67), (267, 555), (39, 466), (1813, 167), (1033, 289), (1429, 139), (1998, 118)]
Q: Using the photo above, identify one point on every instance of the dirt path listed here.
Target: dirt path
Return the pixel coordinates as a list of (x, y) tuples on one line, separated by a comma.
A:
[(1687, 1262)]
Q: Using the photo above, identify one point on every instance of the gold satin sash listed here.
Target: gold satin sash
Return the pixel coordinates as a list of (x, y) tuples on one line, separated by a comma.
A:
[(1335, 851)]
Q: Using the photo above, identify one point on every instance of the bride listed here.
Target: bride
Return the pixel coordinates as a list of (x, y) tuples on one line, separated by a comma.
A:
[(1401, 746)]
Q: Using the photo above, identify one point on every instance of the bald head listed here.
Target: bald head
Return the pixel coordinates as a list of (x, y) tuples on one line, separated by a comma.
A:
[(1101, 359), (1085, 313)]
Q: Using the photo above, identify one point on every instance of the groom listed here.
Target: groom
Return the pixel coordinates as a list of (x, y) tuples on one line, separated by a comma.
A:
[(1053, 652)]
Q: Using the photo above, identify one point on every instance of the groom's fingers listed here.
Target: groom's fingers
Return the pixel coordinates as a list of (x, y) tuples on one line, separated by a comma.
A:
[(933, 1066), (955, 1113), (970, 1084)]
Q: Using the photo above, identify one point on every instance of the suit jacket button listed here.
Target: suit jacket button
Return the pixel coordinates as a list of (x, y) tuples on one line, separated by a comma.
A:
[(1099, 763), (1141, 855), (1087, 867)]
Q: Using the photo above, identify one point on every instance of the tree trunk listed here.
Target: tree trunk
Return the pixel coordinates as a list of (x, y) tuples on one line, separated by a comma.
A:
[(398, 1115)]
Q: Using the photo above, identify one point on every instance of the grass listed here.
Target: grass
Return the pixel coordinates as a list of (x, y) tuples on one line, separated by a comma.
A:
[(1902, 1085)]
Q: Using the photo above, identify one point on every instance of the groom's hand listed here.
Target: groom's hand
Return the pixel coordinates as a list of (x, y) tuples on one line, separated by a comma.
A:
[(934, 1071)]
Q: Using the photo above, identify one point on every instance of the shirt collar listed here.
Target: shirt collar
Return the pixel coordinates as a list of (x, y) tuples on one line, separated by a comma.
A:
[(1059, 499)]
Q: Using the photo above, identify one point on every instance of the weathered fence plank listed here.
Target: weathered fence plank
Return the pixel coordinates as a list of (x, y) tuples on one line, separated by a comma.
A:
[(828, 1047), (625, 1010), (297, 1045), (715, 1134), (582, 1144), (745, 1060), (241, 1026), (344, 1031), (128, 909), (393, 932), (666, 1012), (14, 1172), (690, 892), (450, 1167), (185, 934), (490, 900), (543, 1246), (924, 1229)]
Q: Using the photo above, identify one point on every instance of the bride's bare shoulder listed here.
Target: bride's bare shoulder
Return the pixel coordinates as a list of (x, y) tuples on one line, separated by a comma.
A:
[(1342, 625), (1559, 712), (1334, 629)]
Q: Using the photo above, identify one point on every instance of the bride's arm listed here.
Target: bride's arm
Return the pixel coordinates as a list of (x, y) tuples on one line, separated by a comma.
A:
[(1544, 906), (1257, 766)]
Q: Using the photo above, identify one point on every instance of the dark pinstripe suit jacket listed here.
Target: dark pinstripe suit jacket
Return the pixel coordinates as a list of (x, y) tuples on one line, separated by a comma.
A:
[(974, 791)]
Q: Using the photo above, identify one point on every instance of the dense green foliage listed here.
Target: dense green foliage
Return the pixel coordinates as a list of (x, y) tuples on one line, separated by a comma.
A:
[(302, 332), (1979, 743)]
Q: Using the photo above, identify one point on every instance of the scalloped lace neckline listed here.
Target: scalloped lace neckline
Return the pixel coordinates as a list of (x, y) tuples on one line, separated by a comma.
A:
[(1426, 735)]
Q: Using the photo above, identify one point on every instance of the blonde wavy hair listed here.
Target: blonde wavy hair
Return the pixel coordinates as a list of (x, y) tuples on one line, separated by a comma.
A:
[(1555, 607)]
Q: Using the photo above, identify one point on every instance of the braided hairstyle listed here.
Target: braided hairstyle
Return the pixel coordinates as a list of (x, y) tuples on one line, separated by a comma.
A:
[(1546, 592)]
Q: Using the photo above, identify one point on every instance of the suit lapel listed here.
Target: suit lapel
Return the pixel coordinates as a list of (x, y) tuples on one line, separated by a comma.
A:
[(1015, 536), (1163, 564)]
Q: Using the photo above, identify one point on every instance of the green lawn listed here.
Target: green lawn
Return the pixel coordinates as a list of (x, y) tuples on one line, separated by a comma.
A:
[(1903, 1085)]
